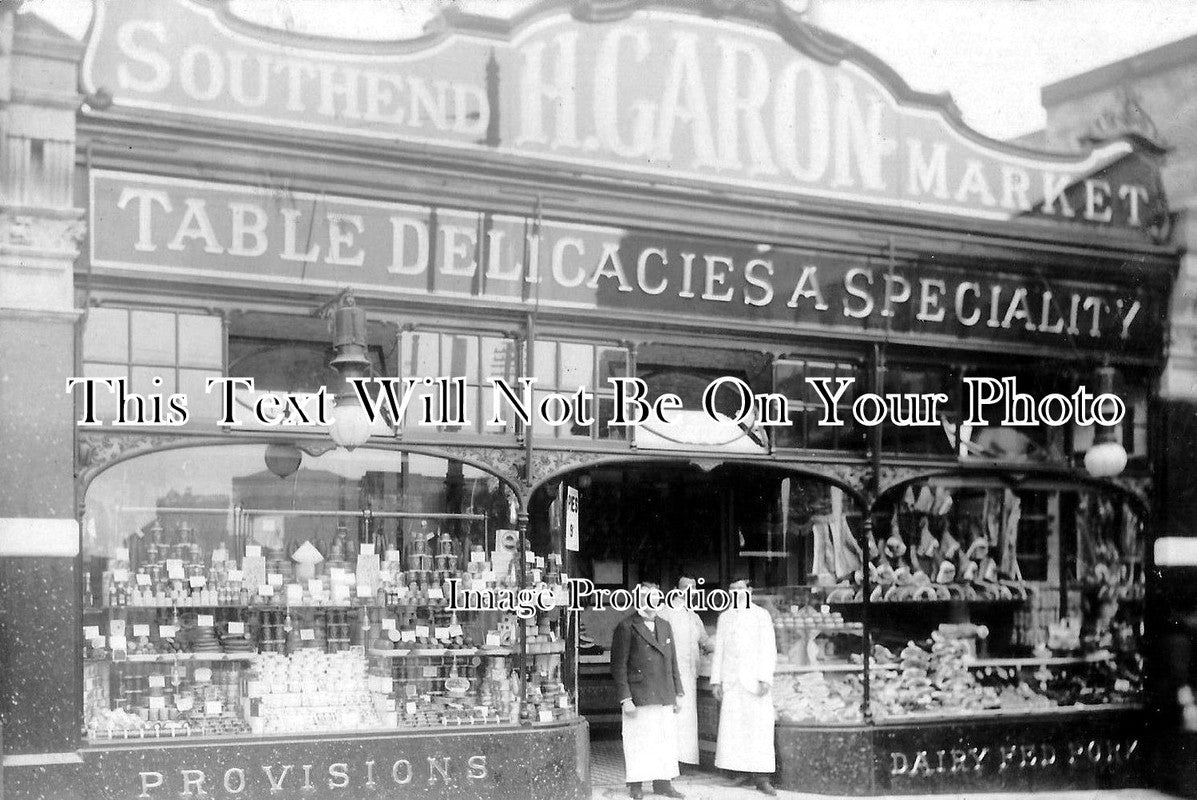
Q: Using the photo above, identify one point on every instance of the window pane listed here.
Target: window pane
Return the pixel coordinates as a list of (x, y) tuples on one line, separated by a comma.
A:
[(498, 359), (612, 363), (106, 335), (143, 382), (546, 365), (105, 400), (788, 379), (577, 365), (459, 357), (421, 355), (204, 407), (153, 337), (201, 341)]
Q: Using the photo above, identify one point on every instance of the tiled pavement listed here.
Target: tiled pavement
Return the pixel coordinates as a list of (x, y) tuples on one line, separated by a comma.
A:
[(606, 780)]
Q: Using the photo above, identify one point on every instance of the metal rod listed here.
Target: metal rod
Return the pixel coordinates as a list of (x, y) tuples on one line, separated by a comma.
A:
[(386, 514)]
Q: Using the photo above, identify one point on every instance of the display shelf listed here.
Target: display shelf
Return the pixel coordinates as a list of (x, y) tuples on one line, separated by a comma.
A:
[(1047, 661), (1030, 711), (882, 605), (834, 666), (166, 658)]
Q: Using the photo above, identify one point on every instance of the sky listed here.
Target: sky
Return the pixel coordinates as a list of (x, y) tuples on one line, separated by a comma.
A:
[(993, 56)]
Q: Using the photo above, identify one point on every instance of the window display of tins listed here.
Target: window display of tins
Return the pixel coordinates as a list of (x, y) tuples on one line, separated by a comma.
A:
[(223, 601)]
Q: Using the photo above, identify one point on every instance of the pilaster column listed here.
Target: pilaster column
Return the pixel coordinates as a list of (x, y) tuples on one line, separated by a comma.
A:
[(40, 233)]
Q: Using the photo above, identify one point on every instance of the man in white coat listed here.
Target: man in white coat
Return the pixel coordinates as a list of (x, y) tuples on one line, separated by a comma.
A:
[(742, 680), (690, 640)]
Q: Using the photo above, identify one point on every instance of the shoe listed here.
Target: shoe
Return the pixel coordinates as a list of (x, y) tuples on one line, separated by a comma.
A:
[(765, 787), (665, 789), (635, 791)]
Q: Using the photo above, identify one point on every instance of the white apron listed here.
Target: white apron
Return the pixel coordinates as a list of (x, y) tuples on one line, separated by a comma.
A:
[(650, 744), (688, 632), (745, 655)]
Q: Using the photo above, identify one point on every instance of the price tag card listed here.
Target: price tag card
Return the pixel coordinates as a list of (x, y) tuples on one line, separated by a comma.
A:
[(539, 564), (494, 640), (435, 593), (120, 575), (184, 702), (157, 681), (220, 555), (429, 671), (410, 707), (400, 591), (545, 715), (294, 593), (118, 642), (408, 635), (143, 579), (455, 630), (174, 569), (274, 579), (253, 550), (236, 576), (254, 570), (205, 620), (368, 570), (530, 557), (336, 574), (116, 627), (266, 590), (562, 701), (307, 635), (315, 587), (388, 624), (389, 704), (141, 630), (197, 581), (422, 631), (167, 631), (477, 557), (121, 554), (236, 628), (364, 591), (157, 702), (442, 633), (91, 632), (99, 641), (212, 707)]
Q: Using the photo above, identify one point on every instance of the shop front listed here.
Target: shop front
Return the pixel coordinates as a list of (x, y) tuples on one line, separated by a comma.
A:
[(588, 194)]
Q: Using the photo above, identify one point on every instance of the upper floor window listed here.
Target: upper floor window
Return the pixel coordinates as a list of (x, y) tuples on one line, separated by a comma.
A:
[(157, 352)]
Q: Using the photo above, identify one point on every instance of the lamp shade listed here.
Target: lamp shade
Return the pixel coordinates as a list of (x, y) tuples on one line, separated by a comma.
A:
[(351, 425), (283, 459), (1105, 460)]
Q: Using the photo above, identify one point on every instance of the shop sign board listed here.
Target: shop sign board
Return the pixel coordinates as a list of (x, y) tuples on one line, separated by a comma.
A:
[(571, 519), (653, 95), (237, 234)]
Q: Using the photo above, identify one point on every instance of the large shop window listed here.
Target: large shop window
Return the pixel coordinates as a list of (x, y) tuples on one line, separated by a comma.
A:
[(986, 598), (237, 590), (180, 350)]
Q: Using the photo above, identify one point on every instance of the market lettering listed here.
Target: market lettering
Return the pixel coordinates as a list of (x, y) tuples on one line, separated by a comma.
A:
[(278, 778), (667, 92), (202, 228), (1018, 756)]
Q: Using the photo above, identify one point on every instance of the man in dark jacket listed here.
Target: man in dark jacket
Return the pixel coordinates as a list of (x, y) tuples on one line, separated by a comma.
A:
[(644, 665)]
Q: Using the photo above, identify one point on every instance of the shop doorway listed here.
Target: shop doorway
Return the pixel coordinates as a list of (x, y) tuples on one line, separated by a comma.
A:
[(656, 520)]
